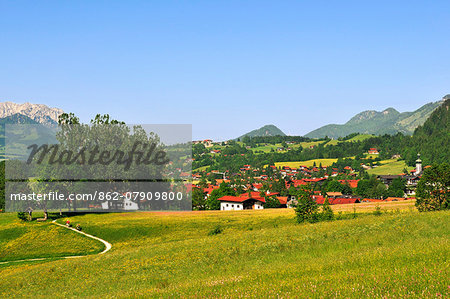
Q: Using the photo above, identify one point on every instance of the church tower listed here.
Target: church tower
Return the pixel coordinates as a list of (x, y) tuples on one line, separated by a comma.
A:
[(418, 165)]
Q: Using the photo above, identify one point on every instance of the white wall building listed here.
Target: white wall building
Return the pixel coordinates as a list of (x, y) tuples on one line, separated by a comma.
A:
[(232, 203)]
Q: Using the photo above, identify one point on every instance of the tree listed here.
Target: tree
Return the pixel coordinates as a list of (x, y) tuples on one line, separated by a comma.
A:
[(271, 202), (327, 212), (306, 209), (396, 188), (212, 203), (198, 199), (334, 186), (433, 189)]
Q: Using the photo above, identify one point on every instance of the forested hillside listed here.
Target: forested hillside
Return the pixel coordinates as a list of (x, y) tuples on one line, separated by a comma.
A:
[(389, 121), (432, 139)]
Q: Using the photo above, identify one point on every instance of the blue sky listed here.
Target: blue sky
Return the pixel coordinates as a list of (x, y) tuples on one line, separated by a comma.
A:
[(226, 67)]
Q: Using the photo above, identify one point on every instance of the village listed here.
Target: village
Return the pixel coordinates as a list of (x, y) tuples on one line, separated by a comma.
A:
[(253, 187)]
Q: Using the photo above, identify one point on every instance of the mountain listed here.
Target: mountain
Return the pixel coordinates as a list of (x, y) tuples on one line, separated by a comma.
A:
[(38, 112), (17, 119), (388, 121), (268, 130), (23, 135)]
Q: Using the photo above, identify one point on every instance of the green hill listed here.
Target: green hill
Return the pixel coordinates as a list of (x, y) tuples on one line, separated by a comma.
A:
[(17, 119), (268, 130), (38, 132), (389, 121), (432, 139)]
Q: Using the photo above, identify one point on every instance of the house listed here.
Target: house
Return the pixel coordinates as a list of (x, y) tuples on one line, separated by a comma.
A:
[(334, 194), (207, 142), (241, 202), (387, 179), (336, 200), (127, 205), (395, 198), (373, 151), (283, 201), (351, 183), (411, 184), (344, 200), (291, 202)]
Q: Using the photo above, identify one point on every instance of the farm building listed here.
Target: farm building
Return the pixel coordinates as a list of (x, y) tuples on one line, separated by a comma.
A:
[(373, 151), (242, 202)]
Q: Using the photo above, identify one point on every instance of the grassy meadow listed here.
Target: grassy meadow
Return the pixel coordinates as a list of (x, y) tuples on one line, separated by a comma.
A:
[(308, 163), (28, 240), (390, 167), (401, 253)]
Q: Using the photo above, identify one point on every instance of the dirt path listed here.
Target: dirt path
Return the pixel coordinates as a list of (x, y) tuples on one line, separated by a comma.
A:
[(108, 246)]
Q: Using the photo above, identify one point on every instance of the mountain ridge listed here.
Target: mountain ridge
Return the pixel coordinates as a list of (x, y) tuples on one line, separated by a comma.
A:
[(388, 121), (40, 113)]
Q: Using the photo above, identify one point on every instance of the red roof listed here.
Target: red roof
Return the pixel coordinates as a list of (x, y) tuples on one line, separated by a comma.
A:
[(232, 198), (319, 199), (296, 183), (282, 199), (257, 185), (395, 198), (210, 189), (335, 201), (352, 183), (253, 195), (341, 200), (314, 180)]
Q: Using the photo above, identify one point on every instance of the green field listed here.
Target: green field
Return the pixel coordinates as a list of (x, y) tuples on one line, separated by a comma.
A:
[(308, 163), (268, 148), (19, 240), (390, 167), (200, 169), (333, 142), (258, 254), (360, 137)]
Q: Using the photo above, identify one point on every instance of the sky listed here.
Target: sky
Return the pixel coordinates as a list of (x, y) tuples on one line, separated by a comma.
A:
[(226, 67)]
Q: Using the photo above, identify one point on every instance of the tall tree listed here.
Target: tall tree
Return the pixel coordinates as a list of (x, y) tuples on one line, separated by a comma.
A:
[(433, 189)]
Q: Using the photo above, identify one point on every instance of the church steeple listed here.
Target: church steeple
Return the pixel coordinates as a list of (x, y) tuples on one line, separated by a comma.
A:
[(418, 165)]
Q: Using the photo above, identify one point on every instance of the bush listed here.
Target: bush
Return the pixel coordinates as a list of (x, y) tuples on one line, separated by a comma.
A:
[(377, 211), (22, 216), (215, 231)]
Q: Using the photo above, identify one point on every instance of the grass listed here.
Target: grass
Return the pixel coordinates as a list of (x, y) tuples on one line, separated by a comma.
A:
[(360, 137), (26, 240), (308, 163), (200, 169), (311, 143), (390, 167), (257, 254), (333, 142)]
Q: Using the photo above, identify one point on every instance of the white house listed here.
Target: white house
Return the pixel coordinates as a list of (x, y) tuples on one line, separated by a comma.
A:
[(230, 203), (128, 205)]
